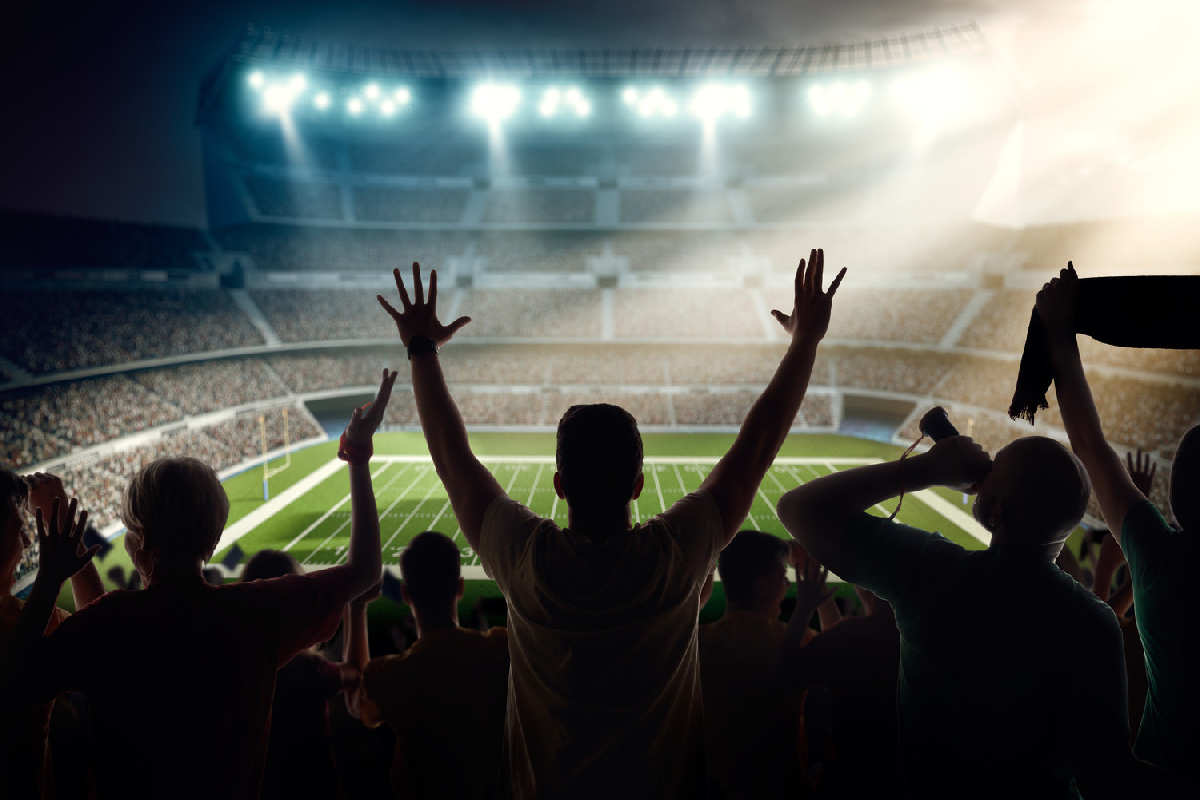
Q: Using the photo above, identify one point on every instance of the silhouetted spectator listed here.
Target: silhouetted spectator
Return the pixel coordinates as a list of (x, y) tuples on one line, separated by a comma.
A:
[(751, 718), (299, 752), (173, 713), (1161, 559), (982, 710), (25, 764), (604, 694), (445, 696)]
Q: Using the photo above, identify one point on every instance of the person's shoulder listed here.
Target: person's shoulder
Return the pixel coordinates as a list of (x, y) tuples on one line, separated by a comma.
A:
[(1144, 523)]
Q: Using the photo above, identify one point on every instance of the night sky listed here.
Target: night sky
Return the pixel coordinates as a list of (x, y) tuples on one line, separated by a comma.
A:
[(100, 97)]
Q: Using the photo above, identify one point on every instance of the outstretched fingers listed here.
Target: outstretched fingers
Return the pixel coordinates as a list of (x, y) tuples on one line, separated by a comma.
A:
[(418, 289), (837, 281), (403, 292)]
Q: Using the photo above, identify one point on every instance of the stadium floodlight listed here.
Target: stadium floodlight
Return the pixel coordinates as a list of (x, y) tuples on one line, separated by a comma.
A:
[(928, 94), (321, 100), (713, 101), (652, 102), (495, 102), (556, 99), (630, 96), (298, 83), (278, 99), (256, 79), (355, 106), (371, 90), (839, 98), (387, 108), (402, 95)]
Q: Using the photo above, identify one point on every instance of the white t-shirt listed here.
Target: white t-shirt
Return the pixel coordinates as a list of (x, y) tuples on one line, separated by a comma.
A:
[(604, 690)]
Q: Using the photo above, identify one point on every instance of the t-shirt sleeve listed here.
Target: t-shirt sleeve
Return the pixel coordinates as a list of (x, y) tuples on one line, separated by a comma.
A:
[(888, 557), (381, 679), (1141, 541), (694, 521), (306, 608), (504, 538)]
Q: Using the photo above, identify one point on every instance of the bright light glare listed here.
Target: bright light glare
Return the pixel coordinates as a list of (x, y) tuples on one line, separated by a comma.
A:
[(255, 79), (583, 109), (354, 106), (714, 100), (277, 99), (654, 102), (838, 98), (928, 94), (298, 83), (402, 95), (321, 101), (495, 102), (371, 90), (387, 108), (556, 100), (630, 95)]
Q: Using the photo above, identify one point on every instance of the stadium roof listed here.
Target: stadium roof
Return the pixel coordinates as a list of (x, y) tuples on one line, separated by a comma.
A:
[(265, 47)]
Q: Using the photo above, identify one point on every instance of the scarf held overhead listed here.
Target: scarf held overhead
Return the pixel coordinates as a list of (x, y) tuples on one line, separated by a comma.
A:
[(1139, 311)]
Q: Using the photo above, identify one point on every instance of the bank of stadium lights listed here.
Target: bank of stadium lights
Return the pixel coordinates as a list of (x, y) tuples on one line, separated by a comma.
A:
[(649, 102), (495, 102), (279, 93), (377, 100), (838, 99), (714, 101), (569, 101)]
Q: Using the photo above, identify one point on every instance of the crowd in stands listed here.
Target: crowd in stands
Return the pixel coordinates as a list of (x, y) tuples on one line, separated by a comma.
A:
[(897, 315), (384, 203), (30, 239), (213, 386), (675, 206), (694, 314), (101, 327), (553, 160), (415, 158), (669, 251), (541, 205), (537, 252), (307, 315), (279, 197), (290, 248), (532, 313)]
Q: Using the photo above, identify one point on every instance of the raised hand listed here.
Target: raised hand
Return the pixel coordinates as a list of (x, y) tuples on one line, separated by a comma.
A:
[(811, 589), (44, 489), (419, 317), (1056, 302), (60, 543), (812, 305), (364, 421), (1141, 470)]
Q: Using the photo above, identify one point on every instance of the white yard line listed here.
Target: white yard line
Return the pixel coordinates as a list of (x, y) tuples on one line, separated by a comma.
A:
[(276, 504), (342, 527), (533, 488), (662, 501), (955, 514), (706, 460), (679, 477), (408, 519)]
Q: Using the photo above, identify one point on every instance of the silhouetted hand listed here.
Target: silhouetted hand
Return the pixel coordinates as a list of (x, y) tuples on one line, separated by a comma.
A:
[(419, 317), (60, 543), (364, 421), (812, 305), (44, 489), (958, 462), (811, 588), (1057, 301), (1142, 471)]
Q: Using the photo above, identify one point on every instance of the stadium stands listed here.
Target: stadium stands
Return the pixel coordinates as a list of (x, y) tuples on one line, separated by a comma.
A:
[(688, 314), (541, 205), (674, 206), (382, 203), (102, 327), (278, 197), (294, 248), (541, 251), (531, 313), (309, 315)]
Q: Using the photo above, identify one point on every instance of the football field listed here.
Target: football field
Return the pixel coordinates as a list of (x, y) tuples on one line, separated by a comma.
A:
[(308, 513)]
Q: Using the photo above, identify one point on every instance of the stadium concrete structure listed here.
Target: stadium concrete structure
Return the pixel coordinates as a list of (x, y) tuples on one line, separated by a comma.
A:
[(617, 222)]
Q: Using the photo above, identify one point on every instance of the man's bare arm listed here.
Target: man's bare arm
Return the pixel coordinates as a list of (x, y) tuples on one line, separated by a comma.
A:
[(471, 488), (816, 513), (1115, 490), (734, 481)]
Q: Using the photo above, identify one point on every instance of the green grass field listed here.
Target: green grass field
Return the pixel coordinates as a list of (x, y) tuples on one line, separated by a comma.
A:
[(309, 511)]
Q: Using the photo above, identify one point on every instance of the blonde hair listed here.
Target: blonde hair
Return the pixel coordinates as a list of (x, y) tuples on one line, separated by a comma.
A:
[(178, 507)]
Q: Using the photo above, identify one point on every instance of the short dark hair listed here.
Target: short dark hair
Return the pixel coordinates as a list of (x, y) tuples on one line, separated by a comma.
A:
[(599, 457), (1185, 480), (430, 567), (749, 556), (271, 564), (13, 487), (179, 507)]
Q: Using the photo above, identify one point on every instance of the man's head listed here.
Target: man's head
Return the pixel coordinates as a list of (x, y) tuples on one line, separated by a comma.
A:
[(753, 569), (1185, 481), (174, 510), (431, 573), (267, 564), (15, 536), (1034, 496), (599, 458)]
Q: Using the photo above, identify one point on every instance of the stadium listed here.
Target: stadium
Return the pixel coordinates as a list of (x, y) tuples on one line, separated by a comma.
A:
[(618, 221)]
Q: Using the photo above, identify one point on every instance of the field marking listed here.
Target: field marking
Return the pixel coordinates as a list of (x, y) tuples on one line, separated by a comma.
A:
[(954, 514), (258, 516), (662, 501), (709, 460), (533, 488), (349, 517), (411, 514)]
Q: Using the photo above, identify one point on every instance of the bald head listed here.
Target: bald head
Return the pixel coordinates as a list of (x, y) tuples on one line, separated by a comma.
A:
[(1036, 493)]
